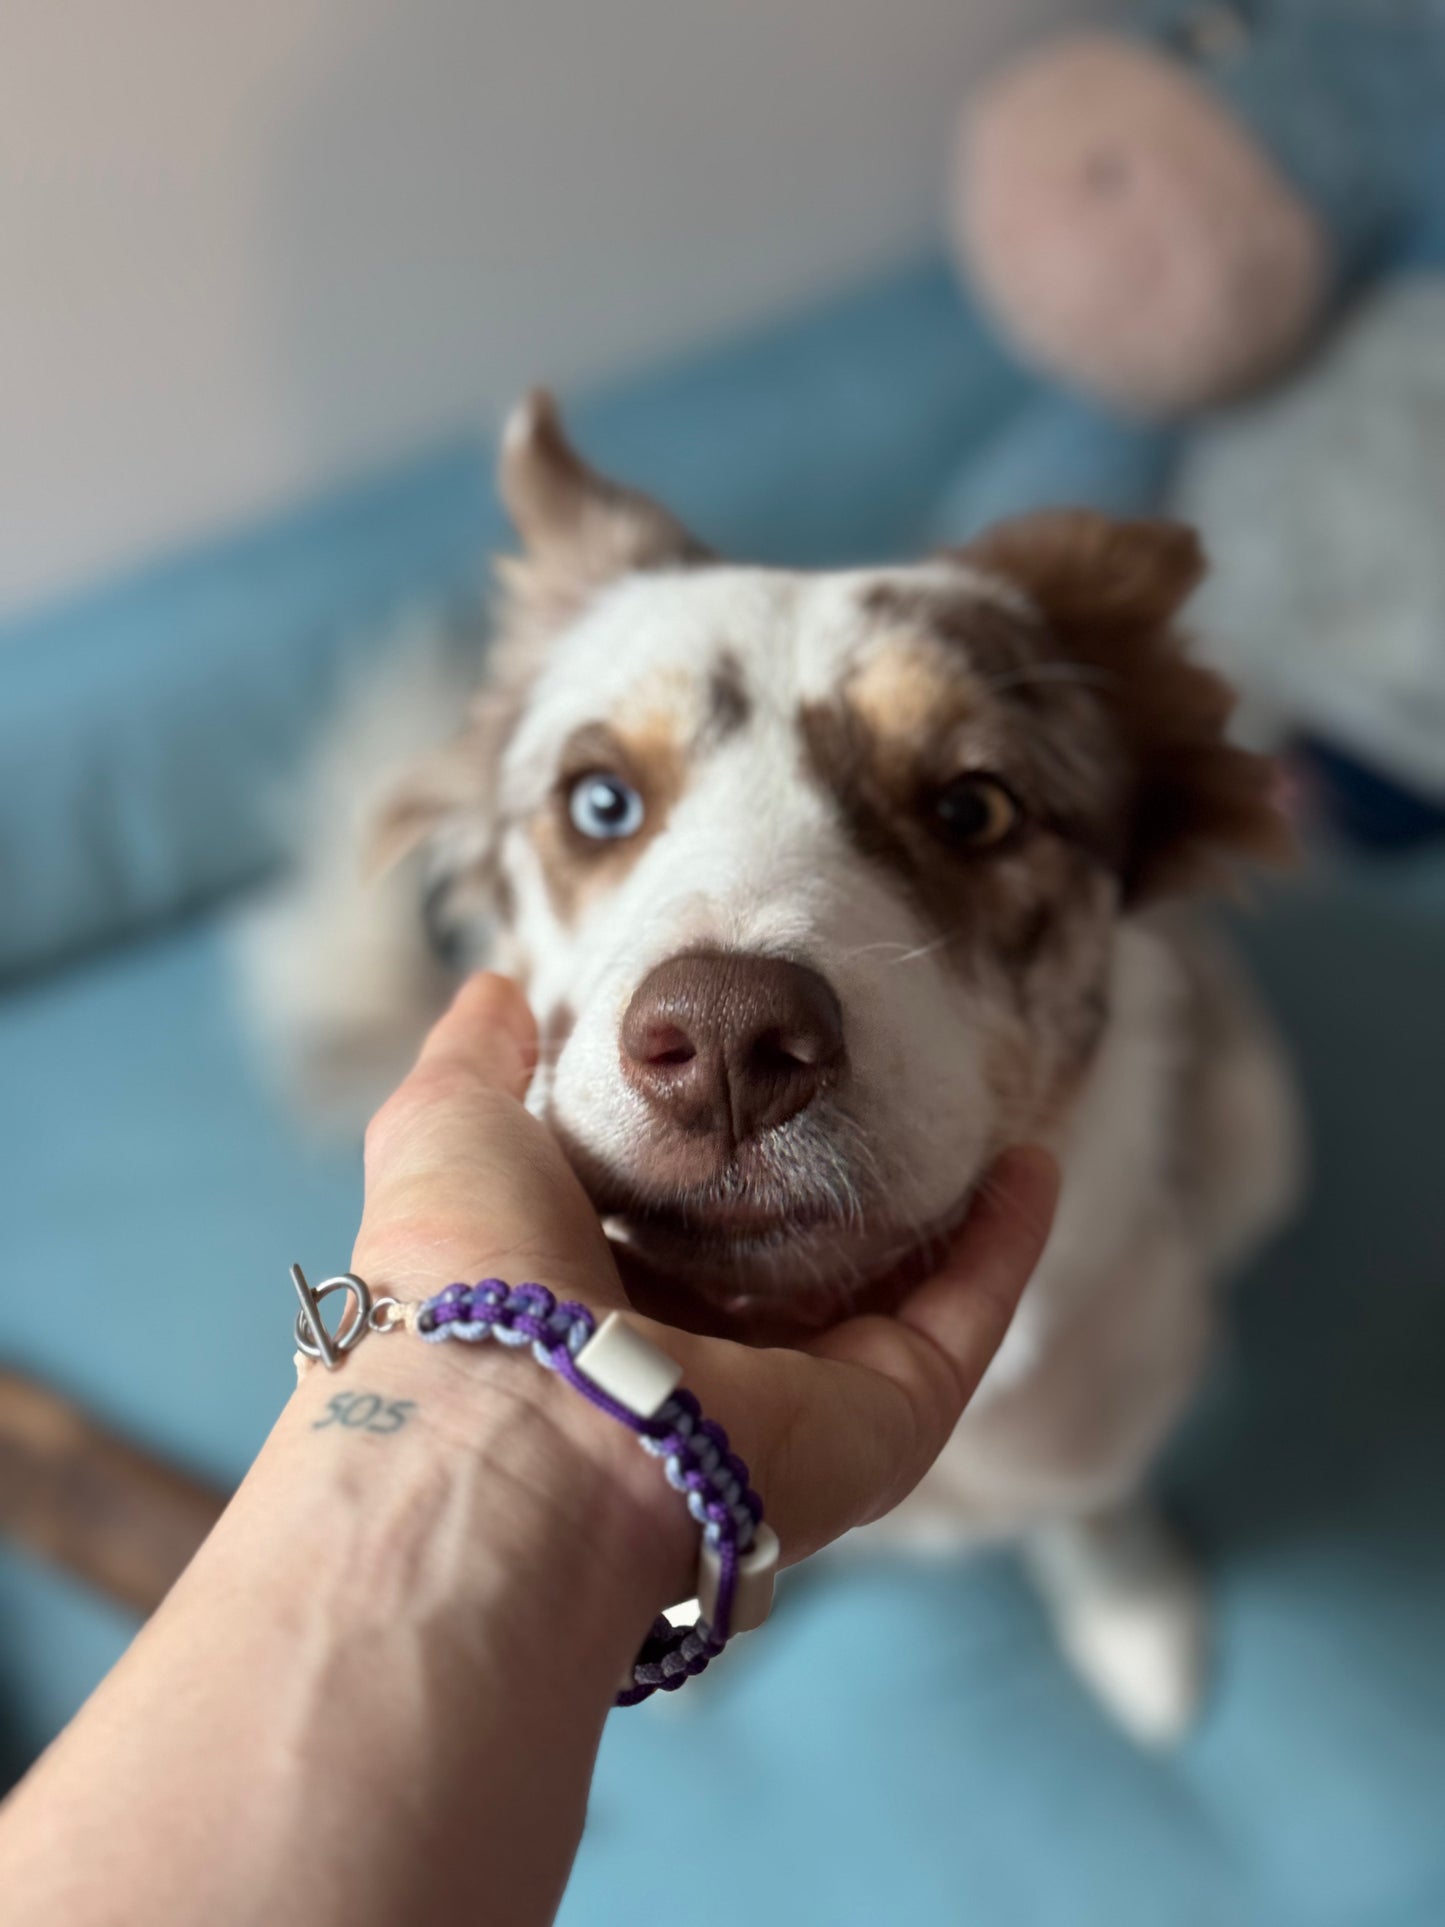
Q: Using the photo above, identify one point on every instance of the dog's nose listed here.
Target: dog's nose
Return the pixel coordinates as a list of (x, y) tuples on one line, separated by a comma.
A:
[(725, 1045)]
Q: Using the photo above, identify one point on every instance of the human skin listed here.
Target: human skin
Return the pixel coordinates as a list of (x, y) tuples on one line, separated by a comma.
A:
[(377, 1692)]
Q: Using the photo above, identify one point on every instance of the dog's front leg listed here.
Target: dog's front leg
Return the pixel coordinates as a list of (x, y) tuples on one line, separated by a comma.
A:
[(1131, 1613)]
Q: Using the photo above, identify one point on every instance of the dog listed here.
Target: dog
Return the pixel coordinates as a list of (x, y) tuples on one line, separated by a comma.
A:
[(826, 888)]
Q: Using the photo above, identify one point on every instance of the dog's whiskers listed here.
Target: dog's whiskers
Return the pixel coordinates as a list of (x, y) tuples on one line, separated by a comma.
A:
[(904, 952)]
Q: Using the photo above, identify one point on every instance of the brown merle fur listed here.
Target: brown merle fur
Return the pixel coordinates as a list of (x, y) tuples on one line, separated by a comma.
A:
[(650, 756), (1080, 698), (579, 532), (1108, 592)]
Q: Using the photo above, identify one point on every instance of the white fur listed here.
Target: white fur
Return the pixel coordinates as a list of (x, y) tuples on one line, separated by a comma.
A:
[(1113, 1332), (1130, 1613)]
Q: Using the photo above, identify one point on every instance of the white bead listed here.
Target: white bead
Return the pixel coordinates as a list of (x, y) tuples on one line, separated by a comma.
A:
[(628, 1367), (753, 1595)]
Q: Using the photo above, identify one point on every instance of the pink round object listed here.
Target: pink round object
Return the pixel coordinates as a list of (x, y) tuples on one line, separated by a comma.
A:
[(1129, 234)]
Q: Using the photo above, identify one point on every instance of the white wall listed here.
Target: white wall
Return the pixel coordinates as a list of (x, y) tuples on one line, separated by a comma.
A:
[(247, 245)]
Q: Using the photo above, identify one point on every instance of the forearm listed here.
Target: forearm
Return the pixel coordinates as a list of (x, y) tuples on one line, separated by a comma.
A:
[(377, 1693)]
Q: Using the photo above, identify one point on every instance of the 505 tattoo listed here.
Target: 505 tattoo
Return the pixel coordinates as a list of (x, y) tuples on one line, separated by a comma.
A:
[(366, 1412)]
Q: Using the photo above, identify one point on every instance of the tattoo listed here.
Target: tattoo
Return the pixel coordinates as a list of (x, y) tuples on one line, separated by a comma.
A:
[(366, 1412)]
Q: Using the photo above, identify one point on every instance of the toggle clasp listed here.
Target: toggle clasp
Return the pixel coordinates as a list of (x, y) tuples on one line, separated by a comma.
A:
[(363, 1314)]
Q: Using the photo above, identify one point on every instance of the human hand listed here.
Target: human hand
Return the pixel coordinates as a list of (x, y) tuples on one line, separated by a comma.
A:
[(420, 1615), (463, 1182)]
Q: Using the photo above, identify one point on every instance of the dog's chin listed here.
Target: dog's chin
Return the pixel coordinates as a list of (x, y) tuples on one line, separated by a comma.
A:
[(742, 1251), (768, 1276)]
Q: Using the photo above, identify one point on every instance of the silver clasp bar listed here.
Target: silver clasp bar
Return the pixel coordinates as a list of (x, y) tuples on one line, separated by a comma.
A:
[(363, 1314)]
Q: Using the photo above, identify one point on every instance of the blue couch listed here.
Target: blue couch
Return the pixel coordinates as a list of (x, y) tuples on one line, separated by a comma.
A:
[(903, 1744)]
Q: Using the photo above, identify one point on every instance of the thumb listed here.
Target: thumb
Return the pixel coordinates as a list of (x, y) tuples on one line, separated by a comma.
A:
[(488, 1032), (461, 1180), (477, 1057)]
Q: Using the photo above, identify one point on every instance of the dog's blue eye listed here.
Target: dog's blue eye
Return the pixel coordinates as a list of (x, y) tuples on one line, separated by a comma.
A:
[(605, 807)]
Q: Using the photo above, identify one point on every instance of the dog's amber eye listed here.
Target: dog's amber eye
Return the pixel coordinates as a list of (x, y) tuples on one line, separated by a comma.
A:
[(604, 807), (974, 811)]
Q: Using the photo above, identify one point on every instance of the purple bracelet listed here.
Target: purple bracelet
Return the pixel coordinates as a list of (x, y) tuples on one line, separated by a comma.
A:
[(605, 1365)]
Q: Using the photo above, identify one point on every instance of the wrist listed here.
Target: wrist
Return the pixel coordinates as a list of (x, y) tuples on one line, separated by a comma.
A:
[(418, 1606), (552, 1510)]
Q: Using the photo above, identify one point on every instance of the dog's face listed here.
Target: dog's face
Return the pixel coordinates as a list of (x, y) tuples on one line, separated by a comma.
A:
[(813, 879)]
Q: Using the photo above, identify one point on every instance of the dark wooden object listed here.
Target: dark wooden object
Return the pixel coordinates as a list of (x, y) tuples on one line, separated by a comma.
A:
[(89, 1501)]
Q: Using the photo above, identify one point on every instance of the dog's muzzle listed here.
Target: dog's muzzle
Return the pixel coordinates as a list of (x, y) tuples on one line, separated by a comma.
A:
[(724, 1046)]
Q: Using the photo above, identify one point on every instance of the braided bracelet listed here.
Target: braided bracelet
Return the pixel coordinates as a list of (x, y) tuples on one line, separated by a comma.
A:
[(624, 1375)]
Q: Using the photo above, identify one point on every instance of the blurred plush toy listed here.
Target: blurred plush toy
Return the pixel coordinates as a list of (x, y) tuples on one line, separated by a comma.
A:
[(1323, 505), (1163, 221)]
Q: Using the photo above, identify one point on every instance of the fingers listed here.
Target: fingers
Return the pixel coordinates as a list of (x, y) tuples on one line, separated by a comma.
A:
[(920, 1367), (966, 1307), (487, 1031), (479, 1052)]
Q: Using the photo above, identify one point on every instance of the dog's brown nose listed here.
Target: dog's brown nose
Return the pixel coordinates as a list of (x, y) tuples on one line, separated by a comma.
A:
[(724, 1045)]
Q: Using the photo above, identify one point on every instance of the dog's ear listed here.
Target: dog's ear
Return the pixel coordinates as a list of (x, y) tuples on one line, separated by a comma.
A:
[(1108, 592), (1088, 571), (579, 530)]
